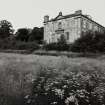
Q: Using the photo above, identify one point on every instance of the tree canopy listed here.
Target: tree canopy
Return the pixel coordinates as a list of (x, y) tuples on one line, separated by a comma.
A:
[(29, 35), (90, 42), (36, 34), (6, 29), (22, 34)]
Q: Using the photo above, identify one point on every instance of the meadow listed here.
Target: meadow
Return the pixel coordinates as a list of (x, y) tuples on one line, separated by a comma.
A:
[(17, 71)]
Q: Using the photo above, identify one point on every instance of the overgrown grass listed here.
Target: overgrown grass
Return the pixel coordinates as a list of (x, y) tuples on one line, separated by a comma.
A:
[(17, 72), (66, 53)]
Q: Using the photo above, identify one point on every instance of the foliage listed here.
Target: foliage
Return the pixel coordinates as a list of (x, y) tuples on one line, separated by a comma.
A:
[(31, 46), (7, 44), (6, 29), (23, 39), (52, 87), (90, 42), (30, 35), (62, 40), (57, 47), (36, 35), (25, 78), (61, 45), (22, 34)]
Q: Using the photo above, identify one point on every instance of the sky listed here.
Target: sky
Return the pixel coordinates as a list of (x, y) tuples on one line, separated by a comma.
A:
[(30, 13)]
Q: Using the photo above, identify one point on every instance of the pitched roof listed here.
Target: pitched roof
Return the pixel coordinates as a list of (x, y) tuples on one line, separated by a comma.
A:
[(60, 16), (63, 17)]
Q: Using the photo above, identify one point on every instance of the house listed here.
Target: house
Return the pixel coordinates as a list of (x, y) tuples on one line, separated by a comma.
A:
[(71, 26)]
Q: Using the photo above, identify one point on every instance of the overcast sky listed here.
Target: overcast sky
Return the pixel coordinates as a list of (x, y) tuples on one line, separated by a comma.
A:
[(30, 13)]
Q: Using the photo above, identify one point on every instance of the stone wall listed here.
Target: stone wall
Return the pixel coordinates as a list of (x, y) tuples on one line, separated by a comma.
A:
[(87, 25), (72, 26)]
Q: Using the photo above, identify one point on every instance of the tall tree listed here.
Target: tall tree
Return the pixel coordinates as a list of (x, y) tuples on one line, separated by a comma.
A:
[(6, 29), (22, 34), (36, 35)]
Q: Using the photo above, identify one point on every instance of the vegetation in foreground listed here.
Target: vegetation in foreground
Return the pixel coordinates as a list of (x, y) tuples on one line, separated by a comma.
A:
[(54, 87), (27, 80)]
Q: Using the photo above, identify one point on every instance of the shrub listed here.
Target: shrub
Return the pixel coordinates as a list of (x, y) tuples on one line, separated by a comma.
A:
[(5, 44), (61, 45), (26, 46), (52, 87), (18, 45), (89, 42), (57, 47)]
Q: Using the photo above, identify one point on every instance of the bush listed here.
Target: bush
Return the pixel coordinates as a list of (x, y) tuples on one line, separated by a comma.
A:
[(57, 47), (52, 87), (26, 46), (89, 42), (61, 45), (6, 43), (18, 45)]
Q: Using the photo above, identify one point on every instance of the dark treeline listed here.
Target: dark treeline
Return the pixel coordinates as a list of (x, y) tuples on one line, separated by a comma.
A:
[(22, 39), (27, 35)]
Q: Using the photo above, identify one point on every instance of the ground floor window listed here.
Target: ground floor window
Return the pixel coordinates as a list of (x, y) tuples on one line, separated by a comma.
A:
[(67, 35)]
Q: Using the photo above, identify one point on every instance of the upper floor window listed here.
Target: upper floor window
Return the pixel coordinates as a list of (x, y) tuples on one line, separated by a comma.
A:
[(84, 23), (59, 25)]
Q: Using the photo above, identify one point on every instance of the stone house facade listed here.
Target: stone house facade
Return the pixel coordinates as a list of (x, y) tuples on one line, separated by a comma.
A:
[(71, 26)]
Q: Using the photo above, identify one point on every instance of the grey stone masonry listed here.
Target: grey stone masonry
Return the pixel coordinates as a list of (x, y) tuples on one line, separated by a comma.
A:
[(71, 26)]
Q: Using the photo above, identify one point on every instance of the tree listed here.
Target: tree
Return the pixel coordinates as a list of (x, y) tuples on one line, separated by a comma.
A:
[(6, 29), (60, 45), (22, 34), (62, 40), (90, 42), (36, 34)]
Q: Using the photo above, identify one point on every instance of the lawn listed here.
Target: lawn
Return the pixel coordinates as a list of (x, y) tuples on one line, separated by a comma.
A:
[(18, 70)]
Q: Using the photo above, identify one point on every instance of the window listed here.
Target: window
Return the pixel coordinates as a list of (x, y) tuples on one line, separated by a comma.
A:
[(67, 35), (59, 25), (87, 25), (84, 23), (53, 37)]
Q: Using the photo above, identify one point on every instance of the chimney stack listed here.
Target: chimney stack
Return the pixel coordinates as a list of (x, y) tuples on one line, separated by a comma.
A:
[(78, 12), (46, 19)]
